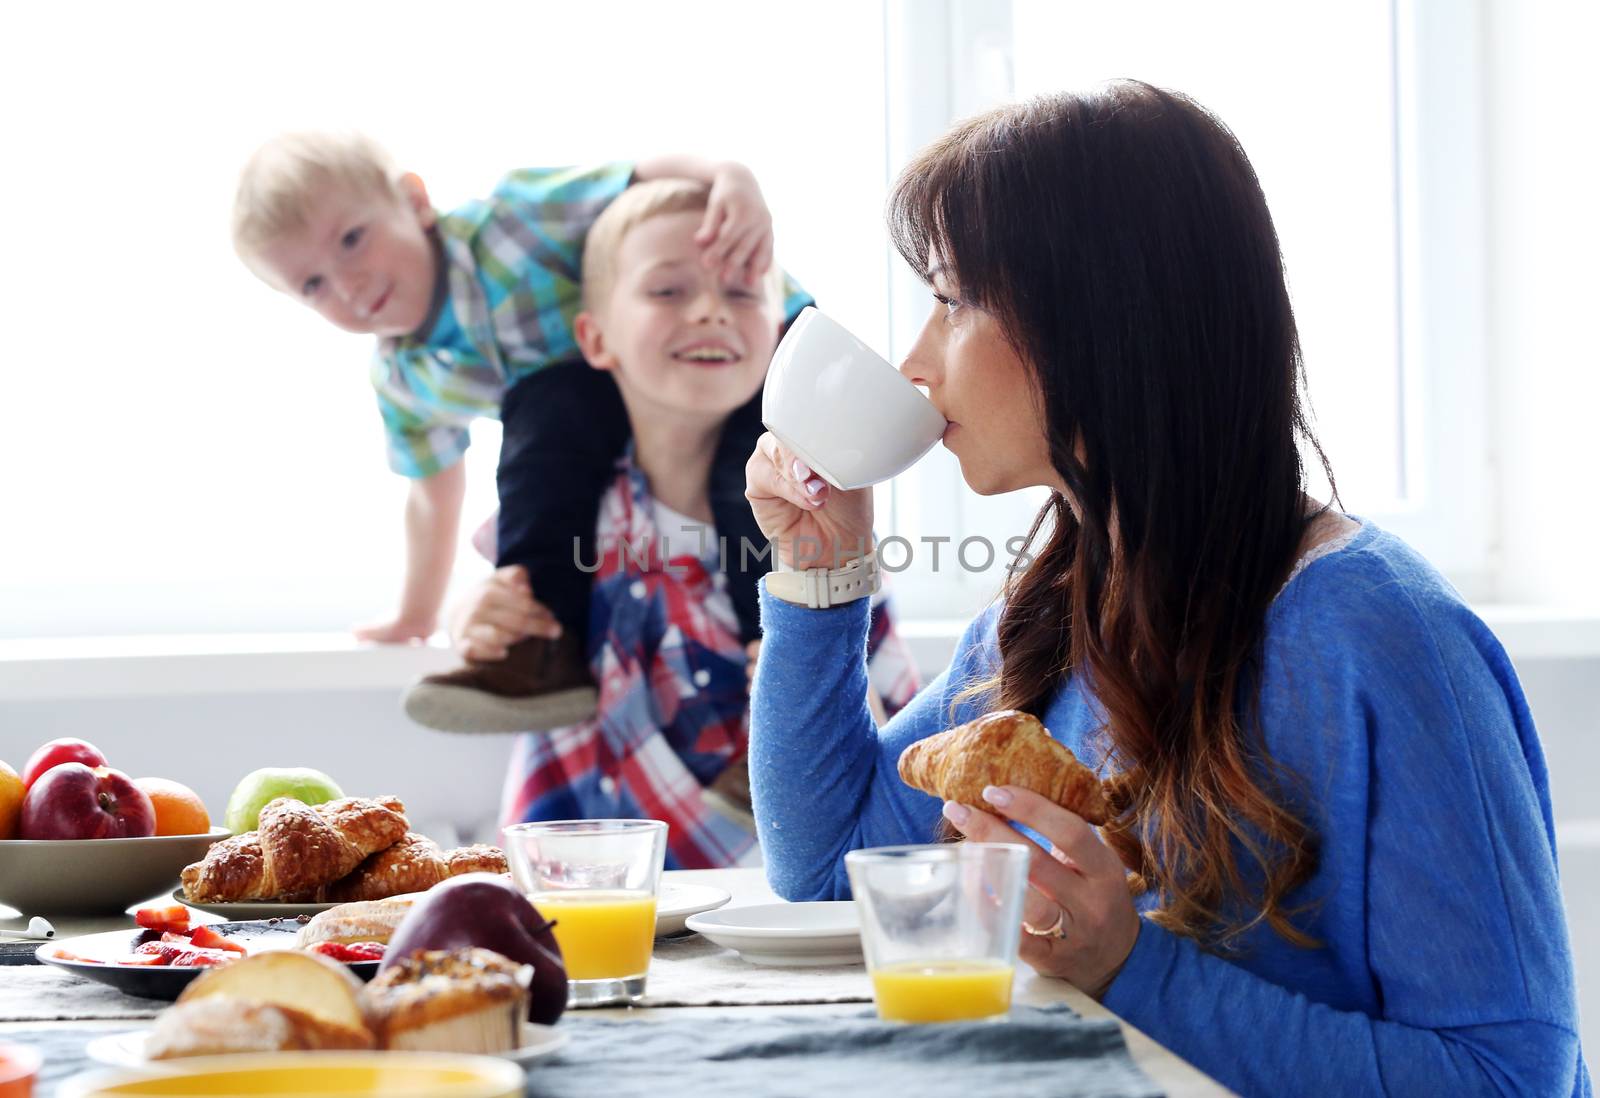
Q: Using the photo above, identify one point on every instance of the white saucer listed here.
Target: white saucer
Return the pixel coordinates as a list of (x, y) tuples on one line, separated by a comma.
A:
[(679, 901), (248, 910), (127, 1049), (825, 932)]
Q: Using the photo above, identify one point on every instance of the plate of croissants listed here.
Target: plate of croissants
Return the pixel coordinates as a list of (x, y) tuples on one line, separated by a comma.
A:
[(303, 859)]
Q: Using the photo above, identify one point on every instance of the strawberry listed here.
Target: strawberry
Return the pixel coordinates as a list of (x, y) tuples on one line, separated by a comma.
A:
[(146, 959), (180, 953), (195, 958), (206, 938), (160, 953), (175, 917), (350, 951)]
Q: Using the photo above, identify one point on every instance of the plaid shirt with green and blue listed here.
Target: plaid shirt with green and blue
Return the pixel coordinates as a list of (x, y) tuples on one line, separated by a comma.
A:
[(513, 275)]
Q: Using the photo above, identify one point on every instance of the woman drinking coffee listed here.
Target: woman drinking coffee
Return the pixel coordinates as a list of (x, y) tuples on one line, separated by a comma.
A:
[(1328, 864)]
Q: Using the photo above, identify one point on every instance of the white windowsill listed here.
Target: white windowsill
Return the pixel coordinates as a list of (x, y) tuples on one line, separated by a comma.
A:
[(219, 663), (1544, 632), (146, 666)]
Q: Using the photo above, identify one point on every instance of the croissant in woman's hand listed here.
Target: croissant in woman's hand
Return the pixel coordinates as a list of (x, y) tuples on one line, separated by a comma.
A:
[(1005, 748)]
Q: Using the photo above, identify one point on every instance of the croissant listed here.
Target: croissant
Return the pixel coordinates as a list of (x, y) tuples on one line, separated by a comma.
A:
[(1004, 748), (414, 864), (295, 850)]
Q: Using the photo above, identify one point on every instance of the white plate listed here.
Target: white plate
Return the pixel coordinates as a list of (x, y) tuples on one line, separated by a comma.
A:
[(679, 901), (825, 932), (248, 910), (127, 1049)]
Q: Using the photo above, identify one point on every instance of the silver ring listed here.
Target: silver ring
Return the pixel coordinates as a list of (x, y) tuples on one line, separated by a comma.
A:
[(1054, 930)]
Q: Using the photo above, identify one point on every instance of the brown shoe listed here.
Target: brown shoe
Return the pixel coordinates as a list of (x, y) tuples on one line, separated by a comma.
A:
[(540, 685)]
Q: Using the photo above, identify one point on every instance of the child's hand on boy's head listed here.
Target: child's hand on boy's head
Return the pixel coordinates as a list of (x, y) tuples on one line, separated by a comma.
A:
[(500, 611), (394, 631), (736, 235)]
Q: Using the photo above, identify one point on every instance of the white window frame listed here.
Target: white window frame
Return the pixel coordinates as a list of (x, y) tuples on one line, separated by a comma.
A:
[(1451, 481), (945, 60)]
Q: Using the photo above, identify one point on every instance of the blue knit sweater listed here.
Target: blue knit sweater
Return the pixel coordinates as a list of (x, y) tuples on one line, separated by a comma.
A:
[(1444, 966)]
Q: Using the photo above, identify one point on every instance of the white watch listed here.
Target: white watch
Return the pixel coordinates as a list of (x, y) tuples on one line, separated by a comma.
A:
[(820, 588)]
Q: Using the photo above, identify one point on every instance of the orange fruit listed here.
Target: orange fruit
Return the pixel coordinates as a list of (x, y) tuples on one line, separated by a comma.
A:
[(11, 791), (179, 809)]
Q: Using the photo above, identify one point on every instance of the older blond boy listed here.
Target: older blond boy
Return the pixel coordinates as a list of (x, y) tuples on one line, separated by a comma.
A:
[(688, 350)]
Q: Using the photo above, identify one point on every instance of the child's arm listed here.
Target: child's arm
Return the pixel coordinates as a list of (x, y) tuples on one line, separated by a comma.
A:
[(433, 512), (736, 235)]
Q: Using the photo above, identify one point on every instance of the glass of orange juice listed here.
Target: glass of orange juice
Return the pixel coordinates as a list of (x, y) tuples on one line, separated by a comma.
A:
[(596, 880), (939, 925)]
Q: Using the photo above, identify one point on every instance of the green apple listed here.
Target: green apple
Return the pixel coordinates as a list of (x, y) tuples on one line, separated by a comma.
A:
[(258, 787)]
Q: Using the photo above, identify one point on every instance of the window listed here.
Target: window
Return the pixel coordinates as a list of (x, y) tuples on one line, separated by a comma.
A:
[(1352, 115), (187, 451)]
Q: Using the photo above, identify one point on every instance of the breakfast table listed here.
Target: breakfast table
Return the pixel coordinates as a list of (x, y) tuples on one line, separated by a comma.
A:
[(708, 1008)]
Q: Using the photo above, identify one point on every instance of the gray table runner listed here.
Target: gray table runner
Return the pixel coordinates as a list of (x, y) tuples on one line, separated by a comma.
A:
[(684, 972), (39, 993), (1037, 1051)]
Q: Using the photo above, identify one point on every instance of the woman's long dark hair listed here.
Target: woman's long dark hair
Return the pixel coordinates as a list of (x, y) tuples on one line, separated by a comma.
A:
[(1122, 241)]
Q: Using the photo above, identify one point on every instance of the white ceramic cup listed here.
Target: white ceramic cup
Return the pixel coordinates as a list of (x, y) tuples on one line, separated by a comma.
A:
[(843, 410)]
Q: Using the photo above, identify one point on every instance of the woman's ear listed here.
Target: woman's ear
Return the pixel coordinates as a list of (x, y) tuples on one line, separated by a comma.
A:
[(415, 194), (592, 341)]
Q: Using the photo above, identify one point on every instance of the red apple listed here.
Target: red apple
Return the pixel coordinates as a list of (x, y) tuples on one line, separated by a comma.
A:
[(56, 752), (73, 801)]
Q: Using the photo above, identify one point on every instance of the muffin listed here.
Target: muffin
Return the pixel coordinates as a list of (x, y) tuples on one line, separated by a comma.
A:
[(461, 1000)]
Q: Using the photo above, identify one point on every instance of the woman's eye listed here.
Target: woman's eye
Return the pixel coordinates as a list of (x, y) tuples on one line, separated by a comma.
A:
[(950, 304), (740, 293), (663, 291), (353, 237), (310, 286)]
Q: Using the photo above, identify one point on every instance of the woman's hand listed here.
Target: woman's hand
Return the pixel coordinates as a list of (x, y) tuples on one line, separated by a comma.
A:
[(500, 611), (812, 524), (736, 236), (1082, 919)]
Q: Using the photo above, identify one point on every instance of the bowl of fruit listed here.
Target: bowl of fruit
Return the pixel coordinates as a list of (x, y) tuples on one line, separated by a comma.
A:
[(79, 837)]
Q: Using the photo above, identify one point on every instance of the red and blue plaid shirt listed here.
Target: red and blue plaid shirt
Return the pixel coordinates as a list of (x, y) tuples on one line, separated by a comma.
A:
[(673, 711)]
